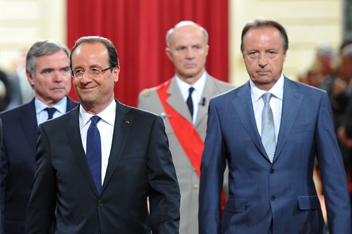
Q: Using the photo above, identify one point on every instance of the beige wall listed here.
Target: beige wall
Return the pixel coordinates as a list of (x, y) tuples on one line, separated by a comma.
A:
[(308, 24), (22, 22)]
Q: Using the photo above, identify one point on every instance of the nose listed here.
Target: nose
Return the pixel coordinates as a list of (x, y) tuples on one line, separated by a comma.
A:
[(190, 54), (262, 60), (85, 78), (57, 76)]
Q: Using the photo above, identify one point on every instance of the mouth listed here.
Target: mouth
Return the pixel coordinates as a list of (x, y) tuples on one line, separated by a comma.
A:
[(263, 73), (58, 88), (87, 88), (190, 65)]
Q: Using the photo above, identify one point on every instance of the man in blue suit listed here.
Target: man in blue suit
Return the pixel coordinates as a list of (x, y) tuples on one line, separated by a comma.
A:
[(270, 147), (48, 71)]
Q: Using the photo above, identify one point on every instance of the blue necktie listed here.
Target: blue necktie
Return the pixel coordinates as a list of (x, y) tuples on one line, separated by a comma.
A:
[(268, 128), (51, 111), (93, 151)]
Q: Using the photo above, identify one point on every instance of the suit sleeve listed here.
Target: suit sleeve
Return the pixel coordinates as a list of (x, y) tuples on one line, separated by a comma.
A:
[(3, 175), (42, 203), (211, 176), (164, 192), (332, 172)]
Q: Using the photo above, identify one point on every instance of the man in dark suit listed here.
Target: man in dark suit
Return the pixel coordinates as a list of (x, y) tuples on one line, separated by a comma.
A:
[(101, 162), (270, 130), (48, 71)]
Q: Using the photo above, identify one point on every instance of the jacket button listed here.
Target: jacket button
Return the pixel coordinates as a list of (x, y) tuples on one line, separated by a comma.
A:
[(195, 186), (272, 171), (100, 203), (273, 198)]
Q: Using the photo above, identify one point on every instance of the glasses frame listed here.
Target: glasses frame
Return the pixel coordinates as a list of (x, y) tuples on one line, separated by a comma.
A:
[(101, 72)]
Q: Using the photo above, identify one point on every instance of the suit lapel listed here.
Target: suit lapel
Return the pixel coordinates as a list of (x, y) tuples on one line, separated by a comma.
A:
[(122, 126), (208, 93), (174, 100), (29, 124), (244, 108), (70, 104), (292, 99), (73, 134)]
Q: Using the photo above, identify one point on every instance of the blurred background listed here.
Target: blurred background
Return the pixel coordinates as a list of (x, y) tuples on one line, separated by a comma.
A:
[(138, 28)]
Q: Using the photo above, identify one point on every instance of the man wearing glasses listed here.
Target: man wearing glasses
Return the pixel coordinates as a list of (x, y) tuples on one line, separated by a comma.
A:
[(48, 71), (101, 162)]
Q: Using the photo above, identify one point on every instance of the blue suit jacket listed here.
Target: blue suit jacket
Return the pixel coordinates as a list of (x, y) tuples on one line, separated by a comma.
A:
[(17, 165), (281, 192)]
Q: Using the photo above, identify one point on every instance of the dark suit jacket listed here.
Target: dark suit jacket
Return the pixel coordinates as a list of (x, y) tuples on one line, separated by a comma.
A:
[(20, 134), (283, 191), (140, 165)]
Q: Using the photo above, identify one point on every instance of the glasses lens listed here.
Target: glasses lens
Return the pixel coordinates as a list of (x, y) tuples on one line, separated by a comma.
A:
[(95, 72), (78, 73)]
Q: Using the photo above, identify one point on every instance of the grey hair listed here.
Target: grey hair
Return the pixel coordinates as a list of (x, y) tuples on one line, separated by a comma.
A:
[(185, 23), (347, 51), (325, 50), (40, 48)]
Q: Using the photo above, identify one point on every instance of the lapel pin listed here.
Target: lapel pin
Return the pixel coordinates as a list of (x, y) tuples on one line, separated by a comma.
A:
[(164, 115), (127, 122)]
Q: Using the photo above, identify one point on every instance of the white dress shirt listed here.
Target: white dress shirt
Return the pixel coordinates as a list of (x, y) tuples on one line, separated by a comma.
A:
[(106, 130), (275, 103), (196, 95), (42, 115)]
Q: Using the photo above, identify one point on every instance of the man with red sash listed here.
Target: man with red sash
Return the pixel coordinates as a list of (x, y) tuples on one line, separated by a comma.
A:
[(183, 102)]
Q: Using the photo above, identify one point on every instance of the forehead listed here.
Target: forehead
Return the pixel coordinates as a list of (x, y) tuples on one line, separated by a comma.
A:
[(59, 58), (263, 36), (187, 34), (90, 52)]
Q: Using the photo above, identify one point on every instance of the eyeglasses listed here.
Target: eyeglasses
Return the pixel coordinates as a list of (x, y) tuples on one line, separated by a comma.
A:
[(93, 72)]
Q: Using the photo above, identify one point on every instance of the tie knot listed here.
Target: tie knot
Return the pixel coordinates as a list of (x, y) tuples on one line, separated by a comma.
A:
[(191, 89), (51, 111), (266, 98), (95, 119)]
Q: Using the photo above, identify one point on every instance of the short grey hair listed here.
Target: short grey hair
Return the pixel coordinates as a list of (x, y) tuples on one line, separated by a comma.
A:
[(185, 23), (347, 51), (325, 50), (40, 48)]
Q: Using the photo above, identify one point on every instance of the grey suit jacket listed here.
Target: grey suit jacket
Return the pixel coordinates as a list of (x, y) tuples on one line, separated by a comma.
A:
[(187, 176)]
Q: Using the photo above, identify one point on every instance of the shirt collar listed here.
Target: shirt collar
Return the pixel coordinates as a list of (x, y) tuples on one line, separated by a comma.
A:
[(198, 85), (107, 115), (277, 90), (61, 106)]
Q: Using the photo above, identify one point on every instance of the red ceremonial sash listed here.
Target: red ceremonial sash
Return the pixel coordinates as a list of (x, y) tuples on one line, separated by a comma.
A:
[(185, 132)]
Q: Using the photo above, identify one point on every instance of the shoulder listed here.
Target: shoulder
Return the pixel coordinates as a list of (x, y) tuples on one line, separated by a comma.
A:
[(135, 112), (71, 103), (306, 90), (14, 113), (220, 84), (151, 92)]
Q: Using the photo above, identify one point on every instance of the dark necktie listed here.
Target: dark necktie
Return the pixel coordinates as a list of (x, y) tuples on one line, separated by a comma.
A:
[(94, 151), (51, 111), (268, 128), (189, 101)]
